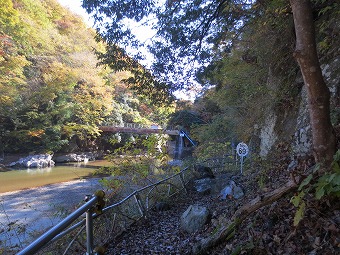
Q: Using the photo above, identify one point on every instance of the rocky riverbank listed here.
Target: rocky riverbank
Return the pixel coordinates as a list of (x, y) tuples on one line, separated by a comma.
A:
[(11, 161), (27, 213)]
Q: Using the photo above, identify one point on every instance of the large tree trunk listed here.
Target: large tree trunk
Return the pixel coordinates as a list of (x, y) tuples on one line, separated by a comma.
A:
[(317, 90)]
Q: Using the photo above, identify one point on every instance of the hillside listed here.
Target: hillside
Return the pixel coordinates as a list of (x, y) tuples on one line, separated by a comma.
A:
[(52, 93), (254, 92)]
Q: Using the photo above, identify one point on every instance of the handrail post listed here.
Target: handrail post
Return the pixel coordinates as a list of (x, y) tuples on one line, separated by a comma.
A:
[(89, 232), (140, 205), (181, 176)]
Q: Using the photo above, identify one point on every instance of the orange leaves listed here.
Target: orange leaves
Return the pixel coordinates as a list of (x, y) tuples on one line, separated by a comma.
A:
[(36, 133)]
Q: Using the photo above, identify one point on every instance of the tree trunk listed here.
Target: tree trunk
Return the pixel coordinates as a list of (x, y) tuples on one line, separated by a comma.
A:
[(317, 90)]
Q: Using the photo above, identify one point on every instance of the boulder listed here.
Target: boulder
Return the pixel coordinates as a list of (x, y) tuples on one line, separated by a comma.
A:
[(194, 218), (204, 186), (34, 161), (232, 191)]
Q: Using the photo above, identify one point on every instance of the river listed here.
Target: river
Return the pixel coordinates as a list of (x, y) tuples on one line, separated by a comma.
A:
[(33, 200), (20, 179)]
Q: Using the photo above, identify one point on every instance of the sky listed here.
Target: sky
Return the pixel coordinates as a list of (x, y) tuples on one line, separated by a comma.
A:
[(75, 6), (145, 33)]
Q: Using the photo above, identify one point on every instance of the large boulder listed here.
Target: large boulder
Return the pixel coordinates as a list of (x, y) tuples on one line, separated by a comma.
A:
[(194, 218), (34, 161)]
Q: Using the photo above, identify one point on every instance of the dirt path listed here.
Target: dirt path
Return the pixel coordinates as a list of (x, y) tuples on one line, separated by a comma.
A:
[(161, 232)]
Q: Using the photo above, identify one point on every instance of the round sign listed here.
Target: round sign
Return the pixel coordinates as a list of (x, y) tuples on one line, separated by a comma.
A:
[(242, 149)]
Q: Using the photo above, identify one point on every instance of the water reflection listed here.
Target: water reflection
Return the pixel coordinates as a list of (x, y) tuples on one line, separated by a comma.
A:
[(28, 178), (39, 170)]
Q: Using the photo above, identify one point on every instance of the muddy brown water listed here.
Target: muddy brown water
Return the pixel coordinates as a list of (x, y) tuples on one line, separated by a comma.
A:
[(21, 179)]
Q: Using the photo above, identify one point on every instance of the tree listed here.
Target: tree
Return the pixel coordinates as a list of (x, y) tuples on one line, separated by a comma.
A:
[(317, 90), (186, 32), (192, 33)]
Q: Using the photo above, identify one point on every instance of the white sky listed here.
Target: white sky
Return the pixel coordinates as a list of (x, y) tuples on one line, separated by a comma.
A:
[(144, 34), (75, 6)]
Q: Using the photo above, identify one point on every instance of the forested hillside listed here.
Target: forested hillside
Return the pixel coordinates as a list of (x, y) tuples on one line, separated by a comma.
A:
[(53, 95)]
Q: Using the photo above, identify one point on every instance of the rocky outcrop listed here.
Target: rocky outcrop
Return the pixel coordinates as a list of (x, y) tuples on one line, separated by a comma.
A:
[(291, 123), (34, 161)]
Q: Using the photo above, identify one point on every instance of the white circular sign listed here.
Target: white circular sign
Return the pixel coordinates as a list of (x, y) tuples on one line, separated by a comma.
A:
[(242, 149)]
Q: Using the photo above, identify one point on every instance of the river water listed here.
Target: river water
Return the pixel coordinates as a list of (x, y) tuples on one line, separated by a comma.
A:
[(33, 199), (29, 178)]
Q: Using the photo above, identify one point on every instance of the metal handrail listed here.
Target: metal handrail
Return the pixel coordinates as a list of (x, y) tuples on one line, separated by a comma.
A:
[(144, 188), (50, 234), (60, 230)]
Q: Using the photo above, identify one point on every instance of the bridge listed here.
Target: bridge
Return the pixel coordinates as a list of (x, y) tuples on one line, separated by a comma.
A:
[(136, 128), (178, 146)]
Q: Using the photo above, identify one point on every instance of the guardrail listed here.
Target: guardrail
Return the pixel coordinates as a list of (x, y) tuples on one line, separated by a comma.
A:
[(95, 201), (114, 219), (141, 198)]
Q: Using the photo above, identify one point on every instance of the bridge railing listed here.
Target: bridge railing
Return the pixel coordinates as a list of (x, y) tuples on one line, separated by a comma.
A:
[(138, 126)]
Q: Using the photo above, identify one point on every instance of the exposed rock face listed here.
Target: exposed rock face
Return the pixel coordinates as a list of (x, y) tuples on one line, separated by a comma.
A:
[(34, 161), (302, 143), (291, 124), (268, 136), (194, 218)]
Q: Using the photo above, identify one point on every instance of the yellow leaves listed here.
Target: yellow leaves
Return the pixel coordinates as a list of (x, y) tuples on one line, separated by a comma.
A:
[(9, 17), (59, 76), (299, 214), (36, 133), (5, 100)]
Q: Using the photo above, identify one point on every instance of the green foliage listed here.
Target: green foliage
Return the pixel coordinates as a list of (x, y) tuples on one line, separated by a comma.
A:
[(213, 150), (141, 80), (9, 17), (140, 160), (185, 119), (328, 32), (328, 184), (51, 90), (187, 32)]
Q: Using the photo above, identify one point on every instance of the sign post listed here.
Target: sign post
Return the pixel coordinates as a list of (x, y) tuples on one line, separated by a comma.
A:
[(242, 150)]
